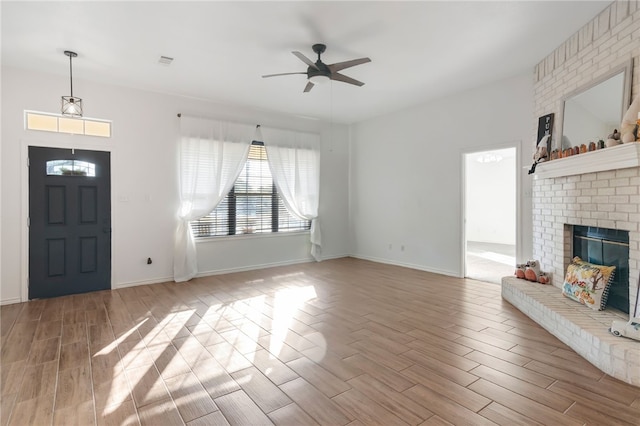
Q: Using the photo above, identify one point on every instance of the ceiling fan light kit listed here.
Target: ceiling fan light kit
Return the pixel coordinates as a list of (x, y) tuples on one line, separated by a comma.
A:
[(71, 105), (319, 79), (318, 72)]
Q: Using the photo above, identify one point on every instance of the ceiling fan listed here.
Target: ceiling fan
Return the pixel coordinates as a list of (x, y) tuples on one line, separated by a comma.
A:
[(319, 71)]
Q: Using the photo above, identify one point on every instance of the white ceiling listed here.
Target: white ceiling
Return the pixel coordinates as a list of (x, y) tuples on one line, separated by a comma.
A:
[(420, 51)]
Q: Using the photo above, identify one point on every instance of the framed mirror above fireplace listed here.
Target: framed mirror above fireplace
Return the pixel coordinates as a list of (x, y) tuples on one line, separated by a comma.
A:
[(593, 111)]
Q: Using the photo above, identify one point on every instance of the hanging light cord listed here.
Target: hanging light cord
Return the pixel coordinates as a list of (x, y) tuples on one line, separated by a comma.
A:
[(71, 73), (71, 55)]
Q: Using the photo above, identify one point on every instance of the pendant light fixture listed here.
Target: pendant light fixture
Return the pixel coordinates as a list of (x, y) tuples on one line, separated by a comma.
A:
[(71, 105)]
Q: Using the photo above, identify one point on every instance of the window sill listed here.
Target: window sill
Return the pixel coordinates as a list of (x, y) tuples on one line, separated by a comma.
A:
[(239, 237)]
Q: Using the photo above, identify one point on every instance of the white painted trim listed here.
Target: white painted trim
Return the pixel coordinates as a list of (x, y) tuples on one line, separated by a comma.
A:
[(616, 157), (10, 301), (223, 271), (262, 266), (517, 145), (24, 218), (62, 141), (238, 237), (407, 265), (158, 280), (519, 209), (463, 215)]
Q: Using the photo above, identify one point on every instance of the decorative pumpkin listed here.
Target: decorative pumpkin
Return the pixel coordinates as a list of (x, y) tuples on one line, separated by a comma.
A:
[(520, 268), (544, 278), (533, 270)]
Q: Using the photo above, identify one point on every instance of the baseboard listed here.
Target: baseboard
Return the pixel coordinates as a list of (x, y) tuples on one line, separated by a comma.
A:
[(142, 282), (263, 266), (337, 256), (216, 272), (251, 267), (407, 265), (10, 301)]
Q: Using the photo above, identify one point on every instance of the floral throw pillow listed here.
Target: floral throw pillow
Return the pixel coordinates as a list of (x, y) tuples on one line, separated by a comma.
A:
[(588, 283)]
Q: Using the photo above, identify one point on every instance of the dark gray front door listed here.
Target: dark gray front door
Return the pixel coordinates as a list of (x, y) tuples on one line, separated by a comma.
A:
[(69, 221)]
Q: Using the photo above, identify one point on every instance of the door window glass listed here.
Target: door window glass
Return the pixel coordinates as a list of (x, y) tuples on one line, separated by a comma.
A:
[(70, 168)]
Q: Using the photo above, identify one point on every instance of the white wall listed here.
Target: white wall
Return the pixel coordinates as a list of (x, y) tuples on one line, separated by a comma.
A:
[(490, 198), (144, 184), (406, 171)]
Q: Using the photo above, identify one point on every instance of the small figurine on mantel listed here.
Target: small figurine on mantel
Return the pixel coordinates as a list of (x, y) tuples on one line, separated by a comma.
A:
[(630, 122), (613, 139), (541, 154)]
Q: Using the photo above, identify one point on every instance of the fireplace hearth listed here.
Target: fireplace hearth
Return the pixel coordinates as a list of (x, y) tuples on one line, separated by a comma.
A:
[(601, 190)]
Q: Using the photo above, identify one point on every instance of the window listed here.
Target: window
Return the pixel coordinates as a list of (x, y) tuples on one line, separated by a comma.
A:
[(70, 168), (252, 206), (77, 126)]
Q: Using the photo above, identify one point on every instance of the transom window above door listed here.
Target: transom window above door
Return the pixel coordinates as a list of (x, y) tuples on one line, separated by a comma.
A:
[(56, 123)]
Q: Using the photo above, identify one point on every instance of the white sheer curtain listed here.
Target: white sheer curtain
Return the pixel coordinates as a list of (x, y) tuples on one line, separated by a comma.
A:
[(211, 156), (294, 160)]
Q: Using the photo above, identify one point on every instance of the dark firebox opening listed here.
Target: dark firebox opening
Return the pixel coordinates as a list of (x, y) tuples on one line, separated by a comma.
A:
[(608, 247)]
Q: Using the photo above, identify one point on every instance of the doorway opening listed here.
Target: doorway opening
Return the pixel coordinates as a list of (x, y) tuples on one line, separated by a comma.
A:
[(490, 214)]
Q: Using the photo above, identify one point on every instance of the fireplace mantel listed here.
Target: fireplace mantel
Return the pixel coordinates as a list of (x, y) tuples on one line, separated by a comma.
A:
[(613, 158)]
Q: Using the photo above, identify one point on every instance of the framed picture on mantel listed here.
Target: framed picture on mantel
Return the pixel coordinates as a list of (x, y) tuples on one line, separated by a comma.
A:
[(545, 127)]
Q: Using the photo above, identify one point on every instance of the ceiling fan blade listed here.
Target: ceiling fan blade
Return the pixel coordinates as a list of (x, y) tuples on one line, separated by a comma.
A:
[(305, 59), (341, 77), (282, 73), (347, 64), (308, 87)]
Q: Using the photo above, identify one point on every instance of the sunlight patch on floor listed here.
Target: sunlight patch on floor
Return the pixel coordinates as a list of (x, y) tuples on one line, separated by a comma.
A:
[(497, 257), (286, 304)]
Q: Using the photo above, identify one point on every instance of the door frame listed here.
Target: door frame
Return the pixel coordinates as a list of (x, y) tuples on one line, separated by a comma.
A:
[(463, 195), (64, 142)]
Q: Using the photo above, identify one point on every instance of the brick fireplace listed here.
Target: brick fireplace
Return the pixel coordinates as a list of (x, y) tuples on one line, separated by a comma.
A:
[(597, 188), (607, 196)]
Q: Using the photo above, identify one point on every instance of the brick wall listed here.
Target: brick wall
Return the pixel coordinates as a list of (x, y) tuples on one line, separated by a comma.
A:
[(607, 199), (608, 41)]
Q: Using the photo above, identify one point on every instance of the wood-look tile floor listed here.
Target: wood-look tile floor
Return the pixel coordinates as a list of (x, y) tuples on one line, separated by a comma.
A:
[(341, 342)]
